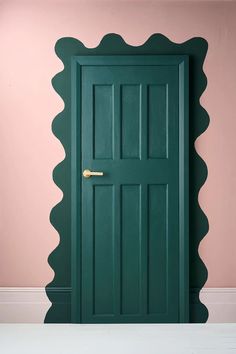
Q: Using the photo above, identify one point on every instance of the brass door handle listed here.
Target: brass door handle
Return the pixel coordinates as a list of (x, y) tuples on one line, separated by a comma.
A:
[(88, 173)]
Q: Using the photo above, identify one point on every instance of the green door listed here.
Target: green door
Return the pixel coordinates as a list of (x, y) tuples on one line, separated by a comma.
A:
[(134, 216)]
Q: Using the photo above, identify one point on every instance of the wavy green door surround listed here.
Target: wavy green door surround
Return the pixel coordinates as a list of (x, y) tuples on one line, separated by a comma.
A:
[(65, 290), (134, 226)]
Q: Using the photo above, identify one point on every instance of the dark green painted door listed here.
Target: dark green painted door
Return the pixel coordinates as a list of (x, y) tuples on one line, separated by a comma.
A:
[(132, 113)]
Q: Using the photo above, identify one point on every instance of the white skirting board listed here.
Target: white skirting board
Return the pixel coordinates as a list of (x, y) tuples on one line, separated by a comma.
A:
[(23, 305), (221, 304), (30, 305)]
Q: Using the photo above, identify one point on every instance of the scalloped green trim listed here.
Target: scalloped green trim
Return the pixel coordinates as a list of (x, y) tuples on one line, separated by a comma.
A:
[(60, 258)]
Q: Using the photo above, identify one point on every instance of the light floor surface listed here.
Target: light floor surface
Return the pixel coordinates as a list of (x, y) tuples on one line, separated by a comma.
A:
[(118, 339)]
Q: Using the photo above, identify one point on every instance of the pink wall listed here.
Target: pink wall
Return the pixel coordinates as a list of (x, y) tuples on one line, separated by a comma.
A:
[(29, 151)]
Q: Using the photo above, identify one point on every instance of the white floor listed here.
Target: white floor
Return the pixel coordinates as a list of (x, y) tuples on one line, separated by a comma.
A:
[(118, 339)]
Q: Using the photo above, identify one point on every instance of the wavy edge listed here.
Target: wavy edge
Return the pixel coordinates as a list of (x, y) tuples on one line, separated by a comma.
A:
[(113, 44)]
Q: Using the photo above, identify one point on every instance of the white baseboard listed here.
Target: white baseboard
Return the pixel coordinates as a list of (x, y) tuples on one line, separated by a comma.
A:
[(30, 305), (221, 304), (23, 305)]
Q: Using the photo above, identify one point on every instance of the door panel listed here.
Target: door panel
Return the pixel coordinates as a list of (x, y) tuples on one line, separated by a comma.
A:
[(130, 121), (157, 121), (157, 248), (103, 121), (130, 216), (130, 254), (103, 250)]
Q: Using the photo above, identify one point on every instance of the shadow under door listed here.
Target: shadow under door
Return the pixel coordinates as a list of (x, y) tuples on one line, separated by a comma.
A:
[(133, 254)]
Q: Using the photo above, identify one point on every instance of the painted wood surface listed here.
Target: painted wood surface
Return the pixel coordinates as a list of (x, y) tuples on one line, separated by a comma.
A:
[(63, 129), (134, 233)]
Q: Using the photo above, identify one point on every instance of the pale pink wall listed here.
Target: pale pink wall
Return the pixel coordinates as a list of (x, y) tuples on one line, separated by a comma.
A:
[(29, 151)]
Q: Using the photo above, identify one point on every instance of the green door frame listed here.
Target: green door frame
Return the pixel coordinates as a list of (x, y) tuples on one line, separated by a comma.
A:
[(64, 287)]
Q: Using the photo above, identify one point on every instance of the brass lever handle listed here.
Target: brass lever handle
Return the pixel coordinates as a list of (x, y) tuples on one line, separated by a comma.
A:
[(88, 173)]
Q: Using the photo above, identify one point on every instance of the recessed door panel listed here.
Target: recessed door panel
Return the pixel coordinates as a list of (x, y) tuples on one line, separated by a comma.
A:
[(158, 248), (131, 121), (157, 121), (130, 249), (103, 249), (102, 121)]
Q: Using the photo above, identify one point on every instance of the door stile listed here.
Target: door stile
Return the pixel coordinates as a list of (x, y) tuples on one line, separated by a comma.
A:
[(117, 199)]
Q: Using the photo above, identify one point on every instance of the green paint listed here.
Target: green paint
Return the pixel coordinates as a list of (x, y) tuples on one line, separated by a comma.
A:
[(69, 131), (115, 140)]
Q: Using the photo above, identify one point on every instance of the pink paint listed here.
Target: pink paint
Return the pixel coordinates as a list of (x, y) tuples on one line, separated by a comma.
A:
[(29, 151)]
